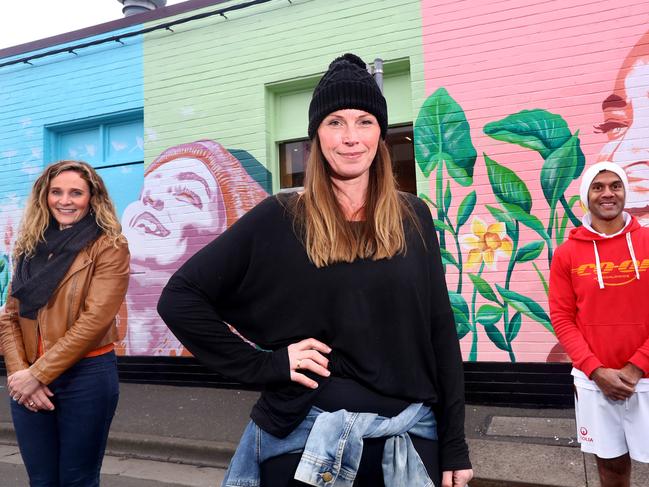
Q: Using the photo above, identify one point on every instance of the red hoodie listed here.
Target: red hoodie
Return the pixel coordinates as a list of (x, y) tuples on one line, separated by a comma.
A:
[(602, 321)]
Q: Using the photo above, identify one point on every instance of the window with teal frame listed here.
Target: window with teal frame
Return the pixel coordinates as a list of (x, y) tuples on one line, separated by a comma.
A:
[(113, 144)]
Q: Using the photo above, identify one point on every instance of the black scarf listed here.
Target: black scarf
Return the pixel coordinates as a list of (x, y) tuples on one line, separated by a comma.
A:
[(36, 277)]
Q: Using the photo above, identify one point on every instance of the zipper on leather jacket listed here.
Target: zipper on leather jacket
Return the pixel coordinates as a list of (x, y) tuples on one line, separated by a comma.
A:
[(73, 291)]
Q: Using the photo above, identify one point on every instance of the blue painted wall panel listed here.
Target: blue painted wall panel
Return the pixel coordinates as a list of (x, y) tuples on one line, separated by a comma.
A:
[(99, 80)]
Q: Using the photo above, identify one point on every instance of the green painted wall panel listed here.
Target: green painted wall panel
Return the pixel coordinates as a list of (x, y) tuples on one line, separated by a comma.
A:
[(209, 78)]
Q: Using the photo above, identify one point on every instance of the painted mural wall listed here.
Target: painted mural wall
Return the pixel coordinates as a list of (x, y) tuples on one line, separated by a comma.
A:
[(510, 100), (521, 97), (191, 193)]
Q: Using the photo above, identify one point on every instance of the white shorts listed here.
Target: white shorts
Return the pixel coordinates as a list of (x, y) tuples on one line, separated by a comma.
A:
[(609, 428)]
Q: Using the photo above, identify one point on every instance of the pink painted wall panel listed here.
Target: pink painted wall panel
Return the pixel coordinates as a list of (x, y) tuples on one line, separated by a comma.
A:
[(496, 59)]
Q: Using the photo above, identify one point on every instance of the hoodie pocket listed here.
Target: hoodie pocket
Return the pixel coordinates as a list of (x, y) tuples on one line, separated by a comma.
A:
[(615, 343)]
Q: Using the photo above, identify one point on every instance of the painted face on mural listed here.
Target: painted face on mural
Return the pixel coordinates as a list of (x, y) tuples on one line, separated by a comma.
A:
[(626, 124), (68, 198), (179, 200), (349, 140)]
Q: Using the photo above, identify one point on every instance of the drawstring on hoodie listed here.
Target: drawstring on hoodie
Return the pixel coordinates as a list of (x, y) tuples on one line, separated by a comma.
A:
[(600, 279), (635, 263), (629, 243)]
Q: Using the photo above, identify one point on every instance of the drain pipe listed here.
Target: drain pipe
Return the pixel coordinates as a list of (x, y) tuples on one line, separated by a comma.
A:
[(134, 7), (378, 73)]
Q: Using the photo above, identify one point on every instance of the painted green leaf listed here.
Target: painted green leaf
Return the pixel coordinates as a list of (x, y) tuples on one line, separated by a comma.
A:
[(483, 288), (513, 327), (442, 134), (465, 209), (440, 225), (526, 219), (526, 305), (560, 169), (461, 313), (461, 329), (561, 228), (499, 214), (502, 216), (4, 278), (447, 196), (488, 314), (546, 288), (530, 251), (507, 186), (496, 337), (448, 258), (427, 199), (535, 129)]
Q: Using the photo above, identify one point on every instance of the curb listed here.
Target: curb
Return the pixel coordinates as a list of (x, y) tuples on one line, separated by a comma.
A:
[(200, 453), (204, 453)]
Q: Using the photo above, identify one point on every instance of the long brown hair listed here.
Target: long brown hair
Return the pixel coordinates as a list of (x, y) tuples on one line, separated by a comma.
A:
[(37, 217), (328, 236)]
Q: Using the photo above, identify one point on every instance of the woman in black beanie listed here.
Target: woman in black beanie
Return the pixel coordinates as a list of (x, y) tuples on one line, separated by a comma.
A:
[(342, 289)]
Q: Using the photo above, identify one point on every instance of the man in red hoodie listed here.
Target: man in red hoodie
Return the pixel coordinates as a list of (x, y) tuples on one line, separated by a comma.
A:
[(598, 287)]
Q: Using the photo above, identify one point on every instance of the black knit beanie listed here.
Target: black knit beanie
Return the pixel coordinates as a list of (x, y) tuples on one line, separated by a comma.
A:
[(347, 84)]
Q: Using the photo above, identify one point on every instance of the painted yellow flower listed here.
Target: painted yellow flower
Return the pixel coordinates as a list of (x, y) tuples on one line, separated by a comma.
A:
[(486, 243)]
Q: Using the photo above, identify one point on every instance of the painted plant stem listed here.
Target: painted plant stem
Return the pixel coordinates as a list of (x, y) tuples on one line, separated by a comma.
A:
[(458, 248), (551, 224), (459, 264), (473, 356), (510, 271), (439, 194)]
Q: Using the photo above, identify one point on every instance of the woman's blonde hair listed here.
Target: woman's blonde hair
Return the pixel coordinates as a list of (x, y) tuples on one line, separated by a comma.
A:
[(37, 217), (329, 237)]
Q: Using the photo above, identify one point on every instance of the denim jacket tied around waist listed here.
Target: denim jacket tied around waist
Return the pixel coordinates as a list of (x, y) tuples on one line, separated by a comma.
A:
[(332, 444)]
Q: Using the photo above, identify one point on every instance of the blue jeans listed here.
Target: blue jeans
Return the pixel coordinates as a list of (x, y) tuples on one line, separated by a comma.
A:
[(65, 447), (331, 447)]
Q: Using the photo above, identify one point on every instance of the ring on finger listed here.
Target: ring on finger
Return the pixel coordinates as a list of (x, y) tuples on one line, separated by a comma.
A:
[(31, 404), (297, 366)]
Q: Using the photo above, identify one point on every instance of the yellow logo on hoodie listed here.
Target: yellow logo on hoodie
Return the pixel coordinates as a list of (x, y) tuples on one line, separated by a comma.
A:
[(612, 273)]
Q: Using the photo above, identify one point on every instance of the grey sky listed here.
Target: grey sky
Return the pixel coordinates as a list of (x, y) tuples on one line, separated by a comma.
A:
[(28, 20)]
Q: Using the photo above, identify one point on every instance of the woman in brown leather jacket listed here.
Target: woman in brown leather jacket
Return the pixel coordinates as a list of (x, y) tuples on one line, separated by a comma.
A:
[(58, 326)]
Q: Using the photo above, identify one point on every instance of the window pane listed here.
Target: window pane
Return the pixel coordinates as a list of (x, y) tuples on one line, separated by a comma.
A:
[(292, 161), (82, 145), (124, 142), (402, 153), (124, 184)]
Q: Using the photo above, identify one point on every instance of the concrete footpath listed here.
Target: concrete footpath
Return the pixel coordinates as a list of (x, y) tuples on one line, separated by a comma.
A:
[(200, 426)]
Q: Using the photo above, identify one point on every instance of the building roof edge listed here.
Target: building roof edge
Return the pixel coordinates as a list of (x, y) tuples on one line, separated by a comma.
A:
[(105, 27)]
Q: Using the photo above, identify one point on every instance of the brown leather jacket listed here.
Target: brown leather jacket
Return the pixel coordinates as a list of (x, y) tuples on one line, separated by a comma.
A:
[(79, 317)]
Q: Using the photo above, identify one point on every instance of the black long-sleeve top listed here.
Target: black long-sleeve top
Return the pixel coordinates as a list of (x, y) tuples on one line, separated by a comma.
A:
[(388, 322)]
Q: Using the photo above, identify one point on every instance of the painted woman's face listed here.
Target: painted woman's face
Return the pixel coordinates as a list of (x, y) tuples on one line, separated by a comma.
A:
[(626, 124), (181, 206)]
